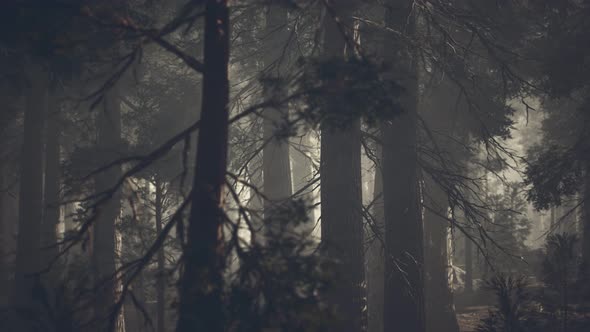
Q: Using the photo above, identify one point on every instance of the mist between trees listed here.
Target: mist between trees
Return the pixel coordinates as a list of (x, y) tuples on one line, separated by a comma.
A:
[(294, 165)]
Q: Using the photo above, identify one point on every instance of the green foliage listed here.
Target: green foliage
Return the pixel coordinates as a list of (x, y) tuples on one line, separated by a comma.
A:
[(512, 310), (553, 174), (562, 262), (338, 91), (279, 280)]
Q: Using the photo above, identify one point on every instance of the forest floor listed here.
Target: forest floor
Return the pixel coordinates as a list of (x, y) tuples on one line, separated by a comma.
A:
[(469, 317)]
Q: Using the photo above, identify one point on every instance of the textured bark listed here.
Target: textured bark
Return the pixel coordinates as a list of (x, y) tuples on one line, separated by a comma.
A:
[(201, 307), (103, 230), (31, 189), (586, 224), (403, 303), (375, 258), (341, 203), (276, 166), (160, 277), (440, 311)]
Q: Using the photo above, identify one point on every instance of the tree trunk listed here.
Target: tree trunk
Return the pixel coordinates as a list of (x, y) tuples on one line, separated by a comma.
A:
[(302, 173), (31, 189), (276, 165), (403, 303), (375, 257), (107, 213), (4, 287), (586, 225), (341, 203), (161, 277), (201, 307), (468, 265), (440, 311), (52, 186)]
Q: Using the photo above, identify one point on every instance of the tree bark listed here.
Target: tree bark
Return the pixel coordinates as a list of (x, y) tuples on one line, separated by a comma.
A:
[(468, 265), (403, 303), (440, 311), (341, 202), (107, 213), (161, 277), (586, 224), (31, 189), (201, 307), (375, 257)]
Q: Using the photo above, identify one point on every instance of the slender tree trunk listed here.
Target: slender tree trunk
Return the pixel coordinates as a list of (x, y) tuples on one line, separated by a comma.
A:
[(341, 202), (201, 307), (276, 166), (161, 277), (107, 213), (468, 265), (52, 186), (31, 189), (440, 311), (375, 257), (403, 303)]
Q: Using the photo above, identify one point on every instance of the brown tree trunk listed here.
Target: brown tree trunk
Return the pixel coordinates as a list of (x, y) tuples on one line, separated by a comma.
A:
[(52, 186), (403, 303), (161, 277), (440, 311), (201, 307), (341, 202), (107, 213), (468, 265), (31, 189)]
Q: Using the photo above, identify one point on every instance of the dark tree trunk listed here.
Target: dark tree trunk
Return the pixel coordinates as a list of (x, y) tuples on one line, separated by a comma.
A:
[(107, 213), (201, 307), (586, 225), (440, 311), (276, 168), (341, 203), (160, 277), (375, 257), (403, 303), (31, 189), (4, 287)]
